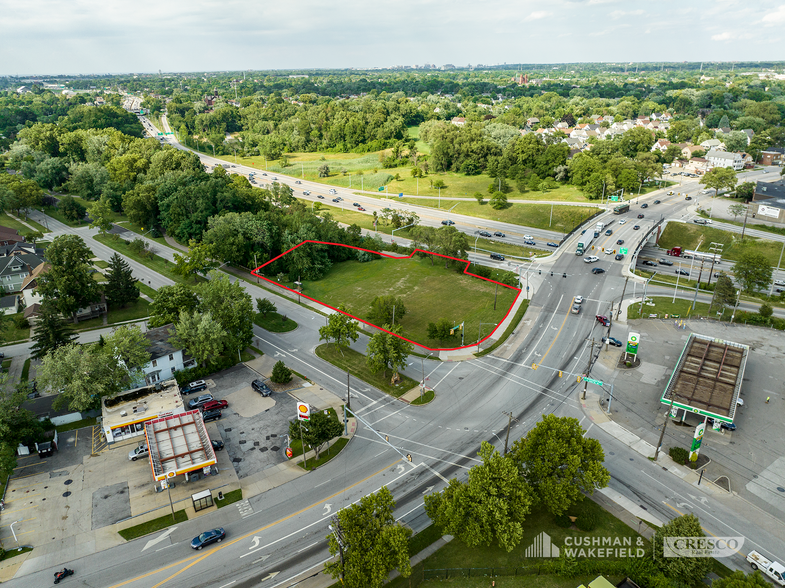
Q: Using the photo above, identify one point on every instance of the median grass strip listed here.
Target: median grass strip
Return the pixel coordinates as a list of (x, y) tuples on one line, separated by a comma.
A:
[(155, 263), (275, 322), (26, 370), (230, 497), (353, 362), (426, 398), (324, 457), (152, 526), (662, 305)]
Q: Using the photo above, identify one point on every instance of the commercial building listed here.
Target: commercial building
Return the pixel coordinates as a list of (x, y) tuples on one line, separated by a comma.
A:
[(124, 415)]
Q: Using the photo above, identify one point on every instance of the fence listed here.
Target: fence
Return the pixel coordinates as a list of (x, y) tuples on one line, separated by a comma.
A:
[(448, 573)]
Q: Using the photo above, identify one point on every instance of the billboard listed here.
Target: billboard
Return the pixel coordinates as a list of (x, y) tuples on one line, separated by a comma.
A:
[(769, 211)]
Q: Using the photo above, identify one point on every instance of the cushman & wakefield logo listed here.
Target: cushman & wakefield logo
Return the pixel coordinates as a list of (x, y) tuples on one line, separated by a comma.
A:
[(593, 547), (701, 546)]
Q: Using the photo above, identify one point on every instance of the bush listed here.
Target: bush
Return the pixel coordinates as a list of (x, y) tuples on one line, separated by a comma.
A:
[(586, 522), (679, 455), (281, 374), (20, 322), (563, 521)]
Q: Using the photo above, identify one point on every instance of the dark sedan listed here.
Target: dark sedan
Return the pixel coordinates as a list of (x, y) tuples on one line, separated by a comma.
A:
[(484, 233), (208, 537), (598, 270), (612, 341), (552, 244), (499, 234), (644, 205), (620, 242), (682, 272), (529, 242), (640, 216), (636, 227)]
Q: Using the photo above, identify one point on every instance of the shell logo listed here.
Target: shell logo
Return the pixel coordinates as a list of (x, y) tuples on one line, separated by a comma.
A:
[(303, 411)]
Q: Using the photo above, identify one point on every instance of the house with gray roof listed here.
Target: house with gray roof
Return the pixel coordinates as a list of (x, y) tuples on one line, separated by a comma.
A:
[(165, 358), (15, 268), (725, 159)]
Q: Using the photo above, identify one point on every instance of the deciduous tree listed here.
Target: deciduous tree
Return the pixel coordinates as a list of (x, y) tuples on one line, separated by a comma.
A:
[(198, 260), (169, 301), (384, 309), (231, 307), (317, 431), (689, 570), (752, 270), (559, 463), (263, 306), (340, 328), (385, 350), (719, 178), (739, 579), (489, 508), (737, 209), (101, 216), (373, 543), (201, 335)]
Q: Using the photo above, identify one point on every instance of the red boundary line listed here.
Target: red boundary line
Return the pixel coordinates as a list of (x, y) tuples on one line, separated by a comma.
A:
[(256, 273)]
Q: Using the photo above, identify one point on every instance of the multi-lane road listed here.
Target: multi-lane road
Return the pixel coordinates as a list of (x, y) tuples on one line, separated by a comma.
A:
[(276, 535)]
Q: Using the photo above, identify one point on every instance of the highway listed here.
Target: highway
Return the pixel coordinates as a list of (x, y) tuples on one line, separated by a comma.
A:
[(281, 533)]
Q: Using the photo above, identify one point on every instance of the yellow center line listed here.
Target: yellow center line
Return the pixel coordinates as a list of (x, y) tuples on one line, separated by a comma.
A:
[(250, 534), (542, 359)]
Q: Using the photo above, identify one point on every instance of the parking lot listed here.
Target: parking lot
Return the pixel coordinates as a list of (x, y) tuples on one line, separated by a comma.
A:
[(749, 458)]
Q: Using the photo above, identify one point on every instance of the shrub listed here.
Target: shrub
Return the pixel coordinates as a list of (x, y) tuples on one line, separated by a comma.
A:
[(563, 521), (20, 322), (679, 455), (281, 374), (586, 522)]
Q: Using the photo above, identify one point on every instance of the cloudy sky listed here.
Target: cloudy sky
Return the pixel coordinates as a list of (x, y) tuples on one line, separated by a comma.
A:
[(110, 36)]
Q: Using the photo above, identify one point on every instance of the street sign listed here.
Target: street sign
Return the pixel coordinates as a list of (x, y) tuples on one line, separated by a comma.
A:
[(623, 250), (381, 188), (614, 198), (596, 382), (400, 194), (303, 411)]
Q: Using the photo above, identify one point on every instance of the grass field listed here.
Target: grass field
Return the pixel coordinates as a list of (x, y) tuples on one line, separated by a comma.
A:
[(688, 236), (12, 223), (665, 305), (11, 333), (275, 323), (430, 292), (353, 362), (155, 263)]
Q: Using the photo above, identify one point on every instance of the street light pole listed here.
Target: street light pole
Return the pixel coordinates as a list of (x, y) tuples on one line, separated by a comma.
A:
[(479, 332), (422, 364)]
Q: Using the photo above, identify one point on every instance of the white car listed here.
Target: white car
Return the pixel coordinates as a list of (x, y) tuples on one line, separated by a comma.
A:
[(608, 251), (591, 259), (528, 237), (623, 221), (779, 282), (578, 300)]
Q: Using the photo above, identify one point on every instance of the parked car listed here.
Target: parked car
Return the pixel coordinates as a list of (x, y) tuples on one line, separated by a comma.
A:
[(597, 270), (601, 318), (576, 308), (261, 388), (497, 256), (196, 386), (199, 401), (499, 234), (208, 537), (682, 272), (612, 341), (591, 259), (214, 405), (139, 452), (217, 444), (211, 415), (665, 262), (723, 425), (447, 222), (552, 244), (620, 242), (619, 256)]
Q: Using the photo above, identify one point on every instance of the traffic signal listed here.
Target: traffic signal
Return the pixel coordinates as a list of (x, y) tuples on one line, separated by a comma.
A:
[(579, 379), (452, 331), (534, 366), (387, 438), (551, 273), (409, 456), (540, 272), (560, 374)]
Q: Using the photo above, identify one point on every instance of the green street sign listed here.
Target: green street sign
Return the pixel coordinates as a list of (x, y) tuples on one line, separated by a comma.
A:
[(623, 250), (614, 198), (597, 382)]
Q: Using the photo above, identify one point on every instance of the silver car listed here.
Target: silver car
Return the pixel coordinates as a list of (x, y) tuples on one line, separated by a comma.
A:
[(139, 452), (199, 401)]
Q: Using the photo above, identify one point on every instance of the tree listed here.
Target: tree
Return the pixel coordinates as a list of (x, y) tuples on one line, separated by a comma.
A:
[(128, 345), (687, 570), (231, 306), (384, 309), (735, 141), (739, 579), (169, 301), (724, 292), (71, 208), (737, 209), (373, 544), (121, 287), (719, 178), (489, 508), (69, 282), (428, 236), (765, 310), (478, 196), (440, 330), (559, 463), (101, 216), (196, 261), (263, 306), (50, 331), (499, 201), (341, 328), (200, 334), (745, 190), (451, 242), (385, 350), (324, 171), (320, 429), (33, 236), (281, 374), (753, 271)]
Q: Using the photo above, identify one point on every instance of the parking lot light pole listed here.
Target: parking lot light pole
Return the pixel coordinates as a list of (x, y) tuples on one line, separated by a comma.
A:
[(646, 285), (422, 363)]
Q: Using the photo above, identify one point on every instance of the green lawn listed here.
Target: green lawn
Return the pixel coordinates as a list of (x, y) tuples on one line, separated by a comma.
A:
[(26, 370), (154, 525), (353, 362), (275, 322), (430, 292), (11, 333), (510, 328), (101, 264), (230, 497), (426, 398), (89, 422), (138, 310), (12, 223), (155, 263), (664, 305), (324, 456), (688, 236), (145, 289), (143, 231)]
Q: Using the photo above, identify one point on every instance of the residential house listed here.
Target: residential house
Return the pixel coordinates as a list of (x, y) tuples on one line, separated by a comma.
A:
[(688, 150), (9, 236), (9, 304), (165, 358), (747, 160), (15, 268), (532, 122), (750, 134), (697, 165), (710, 144), (772, 156), (29, 287), (725, 159), (458, 121), (661, 145), (23, 90)]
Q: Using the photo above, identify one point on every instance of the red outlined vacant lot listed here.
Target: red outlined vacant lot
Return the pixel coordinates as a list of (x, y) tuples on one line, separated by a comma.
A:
[(468, 295)]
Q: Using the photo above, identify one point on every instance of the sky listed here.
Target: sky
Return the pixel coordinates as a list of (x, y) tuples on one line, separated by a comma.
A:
[(40, 37)]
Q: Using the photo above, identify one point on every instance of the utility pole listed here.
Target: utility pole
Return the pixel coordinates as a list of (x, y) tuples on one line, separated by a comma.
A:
[(618, 312), (665, 424), (509, 425), (339, 538), (700, 273), (588, 367), (744, 226)]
